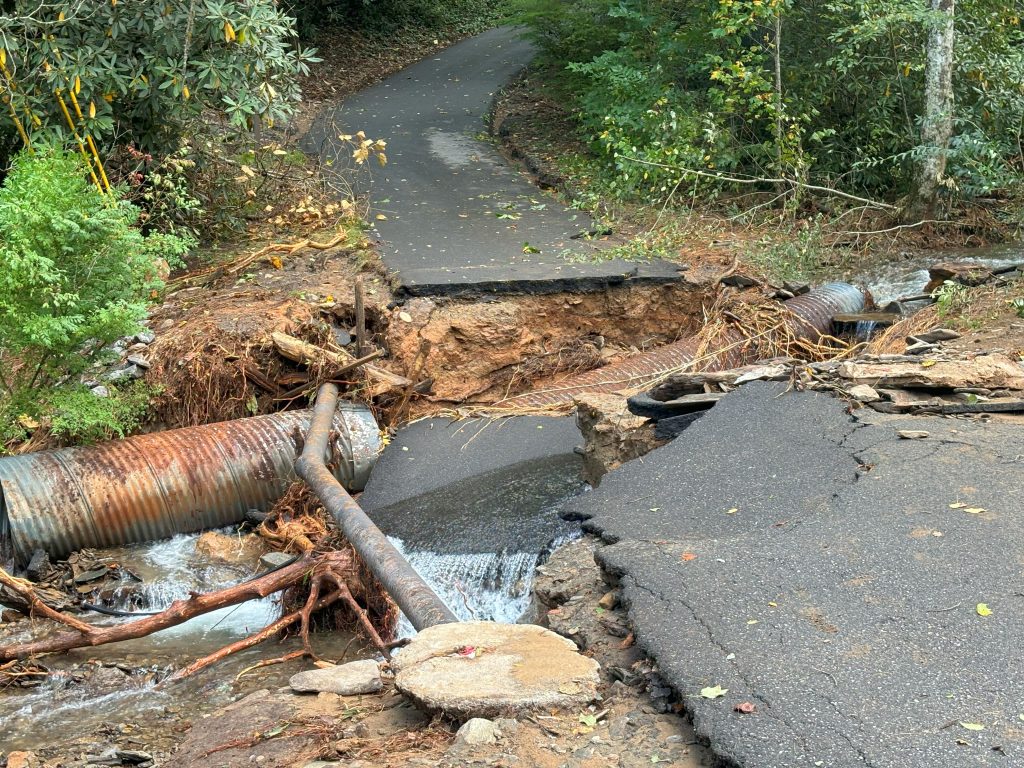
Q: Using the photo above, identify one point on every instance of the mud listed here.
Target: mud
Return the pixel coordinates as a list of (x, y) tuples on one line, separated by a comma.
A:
[(480, 352)]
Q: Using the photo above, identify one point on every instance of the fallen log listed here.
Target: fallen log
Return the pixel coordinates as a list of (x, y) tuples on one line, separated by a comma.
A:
[(180, 611), (303, 352)]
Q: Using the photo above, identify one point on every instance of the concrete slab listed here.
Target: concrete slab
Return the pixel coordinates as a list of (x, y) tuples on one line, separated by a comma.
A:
[(458, 216), (850, 622), (481, 669)]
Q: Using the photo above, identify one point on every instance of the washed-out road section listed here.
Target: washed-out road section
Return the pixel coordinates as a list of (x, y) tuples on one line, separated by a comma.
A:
[(810, 563), (452, 215)]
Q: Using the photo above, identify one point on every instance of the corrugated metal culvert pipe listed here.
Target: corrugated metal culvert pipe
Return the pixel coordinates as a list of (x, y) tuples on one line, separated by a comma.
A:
[(811, 318), (156, 485)]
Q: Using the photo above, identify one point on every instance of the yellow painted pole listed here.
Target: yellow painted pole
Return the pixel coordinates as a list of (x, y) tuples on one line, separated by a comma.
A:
[(92, 144), (78, 139)]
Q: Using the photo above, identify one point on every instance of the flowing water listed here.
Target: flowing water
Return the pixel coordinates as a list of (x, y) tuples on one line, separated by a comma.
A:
[(481, 571), (895, 279), (898, 279)]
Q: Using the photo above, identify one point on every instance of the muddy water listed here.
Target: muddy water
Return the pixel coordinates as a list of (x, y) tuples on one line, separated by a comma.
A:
[(102, 696)]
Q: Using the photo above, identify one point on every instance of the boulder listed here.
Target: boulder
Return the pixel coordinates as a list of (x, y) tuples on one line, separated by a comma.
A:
[(352, 679), (864, 393), (477, 732)]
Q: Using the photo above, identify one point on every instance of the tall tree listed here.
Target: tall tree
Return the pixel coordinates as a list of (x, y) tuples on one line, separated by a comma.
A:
[(937, 120)]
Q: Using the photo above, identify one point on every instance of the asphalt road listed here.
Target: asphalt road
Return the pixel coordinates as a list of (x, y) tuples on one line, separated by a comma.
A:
[(476, 485), (811, 564), (459, 218)]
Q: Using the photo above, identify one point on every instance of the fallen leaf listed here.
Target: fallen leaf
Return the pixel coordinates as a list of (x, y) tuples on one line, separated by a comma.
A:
[(381, 217), (752, 621), (732, 511), (957, 505), (713, 692), (745, 707), (975, 510), (589, 720), (687, 557), (773, 604), (982, 609), (927, 363), (405, 317), (973, 726)]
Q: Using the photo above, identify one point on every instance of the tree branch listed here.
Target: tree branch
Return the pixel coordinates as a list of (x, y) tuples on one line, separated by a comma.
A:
[(753, 180)]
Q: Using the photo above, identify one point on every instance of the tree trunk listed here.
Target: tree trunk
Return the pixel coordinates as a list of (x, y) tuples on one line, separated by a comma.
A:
[(937, 122)]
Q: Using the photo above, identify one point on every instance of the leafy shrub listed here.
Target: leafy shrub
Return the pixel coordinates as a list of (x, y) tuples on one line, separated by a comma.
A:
[(140, 70), (77, 275), (694, 84)]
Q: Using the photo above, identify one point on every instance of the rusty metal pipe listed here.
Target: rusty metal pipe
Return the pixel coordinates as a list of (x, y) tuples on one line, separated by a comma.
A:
[(153, 486), (414, 596)]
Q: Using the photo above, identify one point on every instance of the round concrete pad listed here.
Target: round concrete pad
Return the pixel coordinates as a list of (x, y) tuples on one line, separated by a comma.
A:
[(481, 669)]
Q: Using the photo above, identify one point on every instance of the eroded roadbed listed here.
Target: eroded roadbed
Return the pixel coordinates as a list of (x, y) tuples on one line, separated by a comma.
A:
[(861, 591)]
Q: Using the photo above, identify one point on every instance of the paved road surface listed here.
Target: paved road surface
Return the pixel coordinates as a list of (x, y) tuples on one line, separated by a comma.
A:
[(458, 215), (840, 597)]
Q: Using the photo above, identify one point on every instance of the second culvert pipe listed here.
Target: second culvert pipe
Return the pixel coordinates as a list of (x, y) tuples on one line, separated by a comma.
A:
[(810, 317)]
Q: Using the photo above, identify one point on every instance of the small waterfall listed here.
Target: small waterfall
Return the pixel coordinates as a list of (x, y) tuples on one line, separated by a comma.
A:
[(864, 329), (482, 586)]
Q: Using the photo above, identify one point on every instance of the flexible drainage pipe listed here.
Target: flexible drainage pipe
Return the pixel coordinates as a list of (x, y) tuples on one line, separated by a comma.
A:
[(414, 596)]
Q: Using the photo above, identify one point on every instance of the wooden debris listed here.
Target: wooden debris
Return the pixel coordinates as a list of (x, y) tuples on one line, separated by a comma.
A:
[(271, 253), (992, 371), (338, 361)]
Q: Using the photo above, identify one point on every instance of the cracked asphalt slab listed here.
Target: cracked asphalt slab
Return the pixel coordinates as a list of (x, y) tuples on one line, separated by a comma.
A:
[(508, 475), (840, 598), (458, 218)]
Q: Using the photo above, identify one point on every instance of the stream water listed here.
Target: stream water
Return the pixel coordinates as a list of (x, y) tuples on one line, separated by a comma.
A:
[(896, 278), (111, 690)]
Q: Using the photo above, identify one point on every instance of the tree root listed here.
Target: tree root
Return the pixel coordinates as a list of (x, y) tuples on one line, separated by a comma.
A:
[(333, 577)]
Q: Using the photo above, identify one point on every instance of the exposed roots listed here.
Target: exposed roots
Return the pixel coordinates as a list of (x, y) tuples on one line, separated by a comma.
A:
[(893, 340)]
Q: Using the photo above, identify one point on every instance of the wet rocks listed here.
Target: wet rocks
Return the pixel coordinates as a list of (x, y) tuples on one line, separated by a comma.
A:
[(218, 548), (274, 560), (121, 757), (612, 435), (352, 679), (480, 669)]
